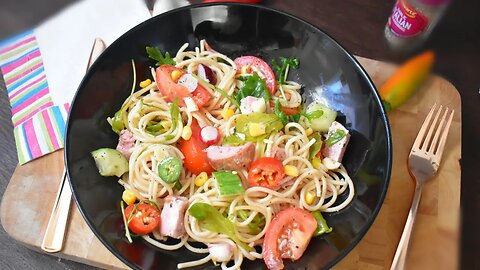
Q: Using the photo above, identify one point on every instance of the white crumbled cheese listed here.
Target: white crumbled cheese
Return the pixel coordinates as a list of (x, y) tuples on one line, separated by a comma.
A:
[(190, 104), (330, 163), (220, 252), (267, 141), (252, 104), (188, 81), (241, 136)]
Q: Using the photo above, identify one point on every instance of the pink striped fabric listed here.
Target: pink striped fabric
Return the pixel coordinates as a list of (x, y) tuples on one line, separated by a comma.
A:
[(38, 123)]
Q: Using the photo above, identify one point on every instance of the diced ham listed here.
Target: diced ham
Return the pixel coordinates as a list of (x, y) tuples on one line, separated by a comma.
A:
[(231, 157), (126, 143), (336, 151), (252, 104), (221, 252), (173, 212)]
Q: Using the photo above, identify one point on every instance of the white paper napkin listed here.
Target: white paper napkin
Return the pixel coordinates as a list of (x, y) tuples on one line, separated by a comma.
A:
[(43, 67)]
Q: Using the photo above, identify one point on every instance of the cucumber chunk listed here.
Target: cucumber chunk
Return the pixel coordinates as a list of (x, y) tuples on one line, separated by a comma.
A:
[(110, 162), (322, 123)]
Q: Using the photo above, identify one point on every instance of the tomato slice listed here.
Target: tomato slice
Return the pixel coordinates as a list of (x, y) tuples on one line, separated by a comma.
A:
[(142, 218), (266, 172), (201, 96), (171, 89), (196, 160), (287, 236), (262, 66)]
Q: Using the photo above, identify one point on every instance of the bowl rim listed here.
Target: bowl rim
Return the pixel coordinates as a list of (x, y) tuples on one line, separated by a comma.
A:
[(383, 114)]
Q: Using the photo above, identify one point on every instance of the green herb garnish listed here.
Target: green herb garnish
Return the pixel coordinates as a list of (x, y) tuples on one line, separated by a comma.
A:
[(253, 86), (155, 54), (281, 69), (335, 137)]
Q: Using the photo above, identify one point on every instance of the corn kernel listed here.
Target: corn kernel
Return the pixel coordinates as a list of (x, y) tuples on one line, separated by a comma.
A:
[(256, 129), (176, 74), (246, 69), (309, 131), (186, 133), (316, 162), (145, 83), (227, 113), (129, 197), (201, 179), (291, 170), (309, 197)]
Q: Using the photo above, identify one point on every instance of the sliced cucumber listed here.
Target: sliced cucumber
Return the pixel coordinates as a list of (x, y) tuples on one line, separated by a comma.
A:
[(110, 162), (322, 123)]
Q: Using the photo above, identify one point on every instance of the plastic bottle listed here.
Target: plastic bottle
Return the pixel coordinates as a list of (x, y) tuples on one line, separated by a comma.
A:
[(411, 23)]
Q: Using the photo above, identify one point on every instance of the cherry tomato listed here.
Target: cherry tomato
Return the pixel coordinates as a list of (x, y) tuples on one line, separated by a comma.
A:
[(171, 89), (196, 160), (142, 218), (238, 1), (262, 66), (287, 236), (266, 172)]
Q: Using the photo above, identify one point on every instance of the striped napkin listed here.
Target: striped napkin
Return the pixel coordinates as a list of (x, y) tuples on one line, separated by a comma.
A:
[(43, 67)]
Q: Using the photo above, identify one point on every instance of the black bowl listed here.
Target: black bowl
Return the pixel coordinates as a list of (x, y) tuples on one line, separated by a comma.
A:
[(327, 71)]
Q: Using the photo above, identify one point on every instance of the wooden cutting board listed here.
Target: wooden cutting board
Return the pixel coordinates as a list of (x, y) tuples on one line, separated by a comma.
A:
[(30, 195)]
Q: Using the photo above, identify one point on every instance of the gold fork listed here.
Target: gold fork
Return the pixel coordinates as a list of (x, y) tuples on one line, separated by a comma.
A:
[(56, 227), (423, 163)]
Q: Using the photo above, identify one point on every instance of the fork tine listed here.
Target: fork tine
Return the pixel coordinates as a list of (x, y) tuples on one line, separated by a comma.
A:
[(431, 128), (421, 134), (438, 131), (441, 145)]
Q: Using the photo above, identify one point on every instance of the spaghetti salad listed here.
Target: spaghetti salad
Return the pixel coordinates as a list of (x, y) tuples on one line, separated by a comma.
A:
[(224, 152)]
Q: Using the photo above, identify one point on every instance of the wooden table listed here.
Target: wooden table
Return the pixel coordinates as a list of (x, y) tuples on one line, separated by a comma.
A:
[(357, 25)]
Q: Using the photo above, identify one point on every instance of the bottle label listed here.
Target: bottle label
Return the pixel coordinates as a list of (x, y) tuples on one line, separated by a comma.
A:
[(406, 21)]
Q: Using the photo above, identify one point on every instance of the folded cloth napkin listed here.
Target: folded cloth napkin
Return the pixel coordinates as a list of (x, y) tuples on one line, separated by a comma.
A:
[(43, 67)]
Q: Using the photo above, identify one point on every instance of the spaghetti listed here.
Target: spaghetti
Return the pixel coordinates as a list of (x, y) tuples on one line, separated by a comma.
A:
[(157, 131)]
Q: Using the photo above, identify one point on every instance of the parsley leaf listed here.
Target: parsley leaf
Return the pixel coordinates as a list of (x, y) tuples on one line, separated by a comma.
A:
[(155, 54), (253, 86)]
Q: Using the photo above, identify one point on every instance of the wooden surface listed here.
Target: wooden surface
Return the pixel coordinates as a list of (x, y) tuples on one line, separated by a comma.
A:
[(33, 187)]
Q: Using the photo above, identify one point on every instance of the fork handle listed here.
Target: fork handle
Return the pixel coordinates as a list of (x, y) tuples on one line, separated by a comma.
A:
[(401, 252), (55, 232)]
